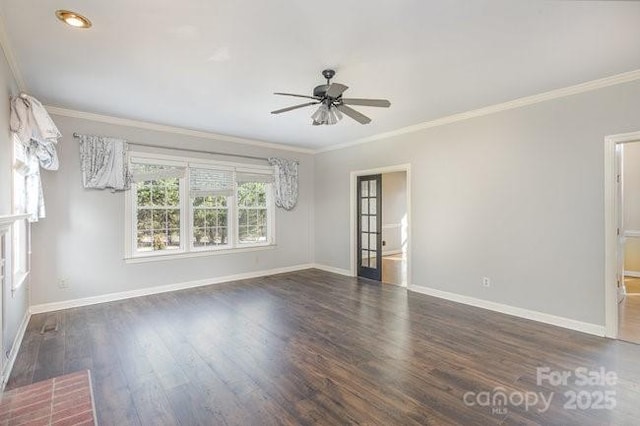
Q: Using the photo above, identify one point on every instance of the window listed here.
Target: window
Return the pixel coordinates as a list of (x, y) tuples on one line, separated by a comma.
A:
[(179, 207), (210, 221), (21, 238), (158, 215), (252, 212)]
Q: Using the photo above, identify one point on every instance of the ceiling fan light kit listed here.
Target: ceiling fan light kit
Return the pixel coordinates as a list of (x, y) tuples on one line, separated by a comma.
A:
[(332, 104)]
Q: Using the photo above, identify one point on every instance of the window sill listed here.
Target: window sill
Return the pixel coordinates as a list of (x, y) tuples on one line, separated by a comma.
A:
[(200, 253)]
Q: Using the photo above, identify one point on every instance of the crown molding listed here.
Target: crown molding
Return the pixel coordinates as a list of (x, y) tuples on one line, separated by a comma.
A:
[(492, 109), (171, 129), (8, 53)]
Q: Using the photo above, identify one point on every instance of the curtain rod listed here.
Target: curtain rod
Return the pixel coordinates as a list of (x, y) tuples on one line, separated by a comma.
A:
[(199, 151)]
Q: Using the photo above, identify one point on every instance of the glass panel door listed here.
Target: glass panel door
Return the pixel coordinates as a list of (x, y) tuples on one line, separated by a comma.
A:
[(370, 227)]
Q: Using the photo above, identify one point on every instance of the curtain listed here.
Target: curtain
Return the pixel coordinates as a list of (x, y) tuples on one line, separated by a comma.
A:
[(286, 182), (103, 162), (38, 134)]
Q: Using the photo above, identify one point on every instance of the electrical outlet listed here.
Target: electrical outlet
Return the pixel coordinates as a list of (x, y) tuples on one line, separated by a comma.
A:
[(486, 282), (63, 283)]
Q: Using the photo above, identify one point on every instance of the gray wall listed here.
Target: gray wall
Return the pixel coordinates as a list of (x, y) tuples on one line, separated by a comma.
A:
[(17, 304), (82, 238), (515, 196)]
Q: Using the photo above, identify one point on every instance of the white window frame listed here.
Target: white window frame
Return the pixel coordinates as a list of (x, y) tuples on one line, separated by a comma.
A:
[(132, 255), (21, 269), (231, 224), (270, 220)]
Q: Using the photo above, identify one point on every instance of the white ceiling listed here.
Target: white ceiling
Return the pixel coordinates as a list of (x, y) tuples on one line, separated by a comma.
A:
[(212, 65)]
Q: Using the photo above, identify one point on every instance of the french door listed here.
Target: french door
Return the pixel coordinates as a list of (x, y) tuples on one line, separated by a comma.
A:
[(370, 226)]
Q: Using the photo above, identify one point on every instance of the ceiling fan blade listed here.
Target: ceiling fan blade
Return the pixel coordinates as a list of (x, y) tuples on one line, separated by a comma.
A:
[(336, 89), (278, 111), (382, 103), (297, 96), (360, 118)]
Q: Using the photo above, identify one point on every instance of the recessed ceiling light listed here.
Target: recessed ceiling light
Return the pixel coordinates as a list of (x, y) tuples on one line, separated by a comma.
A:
[(72, 18)]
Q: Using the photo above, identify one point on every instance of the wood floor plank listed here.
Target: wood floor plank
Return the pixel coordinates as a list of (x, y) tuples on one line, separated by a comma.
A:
[(312, 347)]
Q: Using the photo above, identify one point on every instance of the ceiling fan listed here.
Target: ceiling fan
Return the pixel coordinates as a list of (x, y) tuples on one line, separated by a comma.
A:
[(332, 104)]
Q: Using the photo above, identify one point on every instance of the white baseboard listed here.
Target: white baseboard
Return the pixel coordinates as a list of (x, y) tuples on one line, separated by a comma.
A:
[(74, 303), (584, 327), (634, 274), (327, 268), (390, 252), (15, 348)]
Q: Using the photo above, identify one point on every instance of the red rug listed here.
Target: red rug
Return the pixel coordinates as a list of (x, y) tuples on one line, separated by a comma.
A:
[(65, 400)]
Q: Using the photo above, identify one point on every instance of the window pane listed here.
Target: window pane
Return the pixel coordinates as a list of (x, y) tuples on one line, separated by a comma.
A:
[(372, 241), (365, 258), (199, 237), (143, 195), (364, 240), (372, 206), (199, 218), (365, 206), (145, 241), (212, 217), (158, 195), (144, 220), (364, 222), (373, 224), (372, 188), (173, 195), (242, 217), (364, 188)]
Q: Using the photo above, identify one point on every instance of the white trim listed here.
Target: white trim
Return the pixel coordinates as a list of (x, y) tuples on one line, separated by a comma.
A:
[(8, 54), (15, 348), (171, 129), (610, 230), (390, 252), (632, 234), (333, 270), (74, 303), (492, 109), (571, 324), (353, 181), (480, 112), (7, 220), (155, 257), (633, 274)]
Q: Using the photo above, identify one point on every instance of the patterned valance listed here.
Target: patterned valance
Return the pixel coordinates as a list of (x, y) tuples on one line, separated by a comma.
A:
[(286, 182)]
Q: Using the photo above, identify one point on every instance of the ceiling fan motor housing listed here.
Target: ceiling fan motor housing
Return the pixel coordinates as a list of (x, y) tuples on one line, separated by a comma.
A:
[(320, 91)]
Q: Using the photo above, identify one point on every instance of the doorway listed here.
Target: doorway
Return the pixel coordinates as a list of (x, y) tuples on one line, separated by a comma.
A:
[(380, 224), (628, 195), (622, 237)]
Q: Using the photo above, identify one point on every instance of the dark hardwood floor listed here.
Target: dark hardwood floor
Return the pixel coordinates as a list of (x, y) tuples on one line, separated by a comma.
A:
[(312, 347)]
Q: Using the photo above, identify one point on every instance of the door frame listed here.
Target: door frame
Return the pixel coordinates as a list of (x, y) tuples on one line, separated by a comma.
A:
[(353, 181), (610, 230)]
